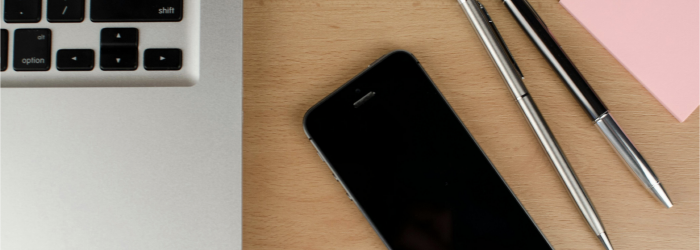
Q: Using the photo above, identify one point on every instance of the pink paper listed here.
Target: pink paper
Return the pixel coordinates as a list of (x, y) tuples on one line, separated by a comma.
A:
[(657, 41)]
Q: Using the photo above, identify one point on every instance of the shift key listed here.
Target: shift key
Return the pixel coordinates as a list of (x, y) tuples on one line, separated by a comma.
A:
[(32, 49), (3, 49), (136, 11)]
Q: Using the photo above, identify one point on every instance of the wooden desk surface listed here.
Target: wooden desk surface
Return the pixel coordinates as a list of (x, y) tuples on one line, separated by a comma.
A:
[(296, 52)]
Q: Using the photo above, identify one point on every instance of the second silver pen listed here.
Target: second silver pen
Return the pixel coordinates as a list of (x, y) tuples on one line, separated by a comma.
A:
[(513, 77)]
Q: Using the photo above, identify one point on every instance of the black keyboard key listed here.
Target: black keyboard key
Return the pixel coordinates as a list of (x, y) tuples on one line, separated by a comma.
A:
[(75, 59), (22, 11), (162, 59), (119, 58), (119, 48), (119, 37), (32, 49), (3, 52), (136, 11), (65, 11)]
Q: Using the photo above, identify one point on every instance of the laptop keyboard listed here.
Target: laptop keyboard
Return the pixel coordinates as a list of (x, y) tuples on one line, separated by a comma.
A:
[(99, 43)]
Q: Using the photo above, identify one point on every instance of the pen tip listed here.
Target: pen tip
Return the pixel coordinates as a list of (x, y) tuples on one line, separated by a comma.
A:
[(660, 193), (606, 242)]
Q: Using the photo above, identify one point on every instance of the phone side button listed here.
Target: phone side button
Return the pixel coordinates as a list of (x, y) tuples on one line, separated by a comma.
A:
[(319, 155), (318, 152)]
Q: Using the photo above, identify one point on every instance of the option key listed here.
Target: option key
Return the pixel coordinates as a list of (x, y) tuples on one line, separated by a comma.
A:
[(32, 50)]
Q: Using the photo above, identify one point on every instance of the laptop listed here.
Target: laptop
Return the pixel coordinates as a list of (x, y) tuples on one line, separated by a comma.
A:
[(121, 124)]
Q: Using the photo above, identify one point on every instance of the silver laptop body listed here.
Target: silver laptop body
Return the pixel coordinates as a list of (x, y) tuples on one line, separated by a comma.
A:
[(114, 167)]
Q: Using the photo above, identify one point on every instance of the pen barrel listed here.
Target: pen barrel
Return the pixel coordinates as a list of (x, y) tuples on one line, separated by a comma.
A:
[(539, 34), (561, 164), (494, 47)]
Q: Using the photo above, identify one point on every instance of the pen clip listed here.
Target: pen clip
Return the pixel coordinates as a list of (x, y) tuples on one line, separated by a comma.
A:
[(500, 39)]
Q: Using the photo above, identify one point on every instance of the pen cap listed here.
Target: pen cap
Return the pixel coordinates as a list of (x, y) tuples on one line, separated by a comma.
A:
[(538, 32)]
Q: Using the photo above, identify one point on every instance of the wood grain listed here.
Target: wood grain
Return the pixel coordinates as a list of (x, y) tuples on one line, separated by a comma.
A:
[(296, 52)]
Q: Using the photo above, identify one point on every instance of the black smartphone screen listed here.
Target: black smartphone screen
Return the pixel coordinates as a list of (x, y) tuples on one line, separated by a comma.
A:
[(412, 167)]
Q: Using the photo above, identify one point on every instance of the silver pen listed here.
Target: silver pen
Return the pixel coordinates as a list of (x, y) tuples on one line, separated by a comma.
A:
[(513, 77), (594, 107)]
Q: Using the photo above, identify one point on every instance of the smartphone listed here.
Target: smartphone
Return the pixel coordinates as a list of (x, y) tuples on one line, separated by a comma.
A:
[(411, 166)]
